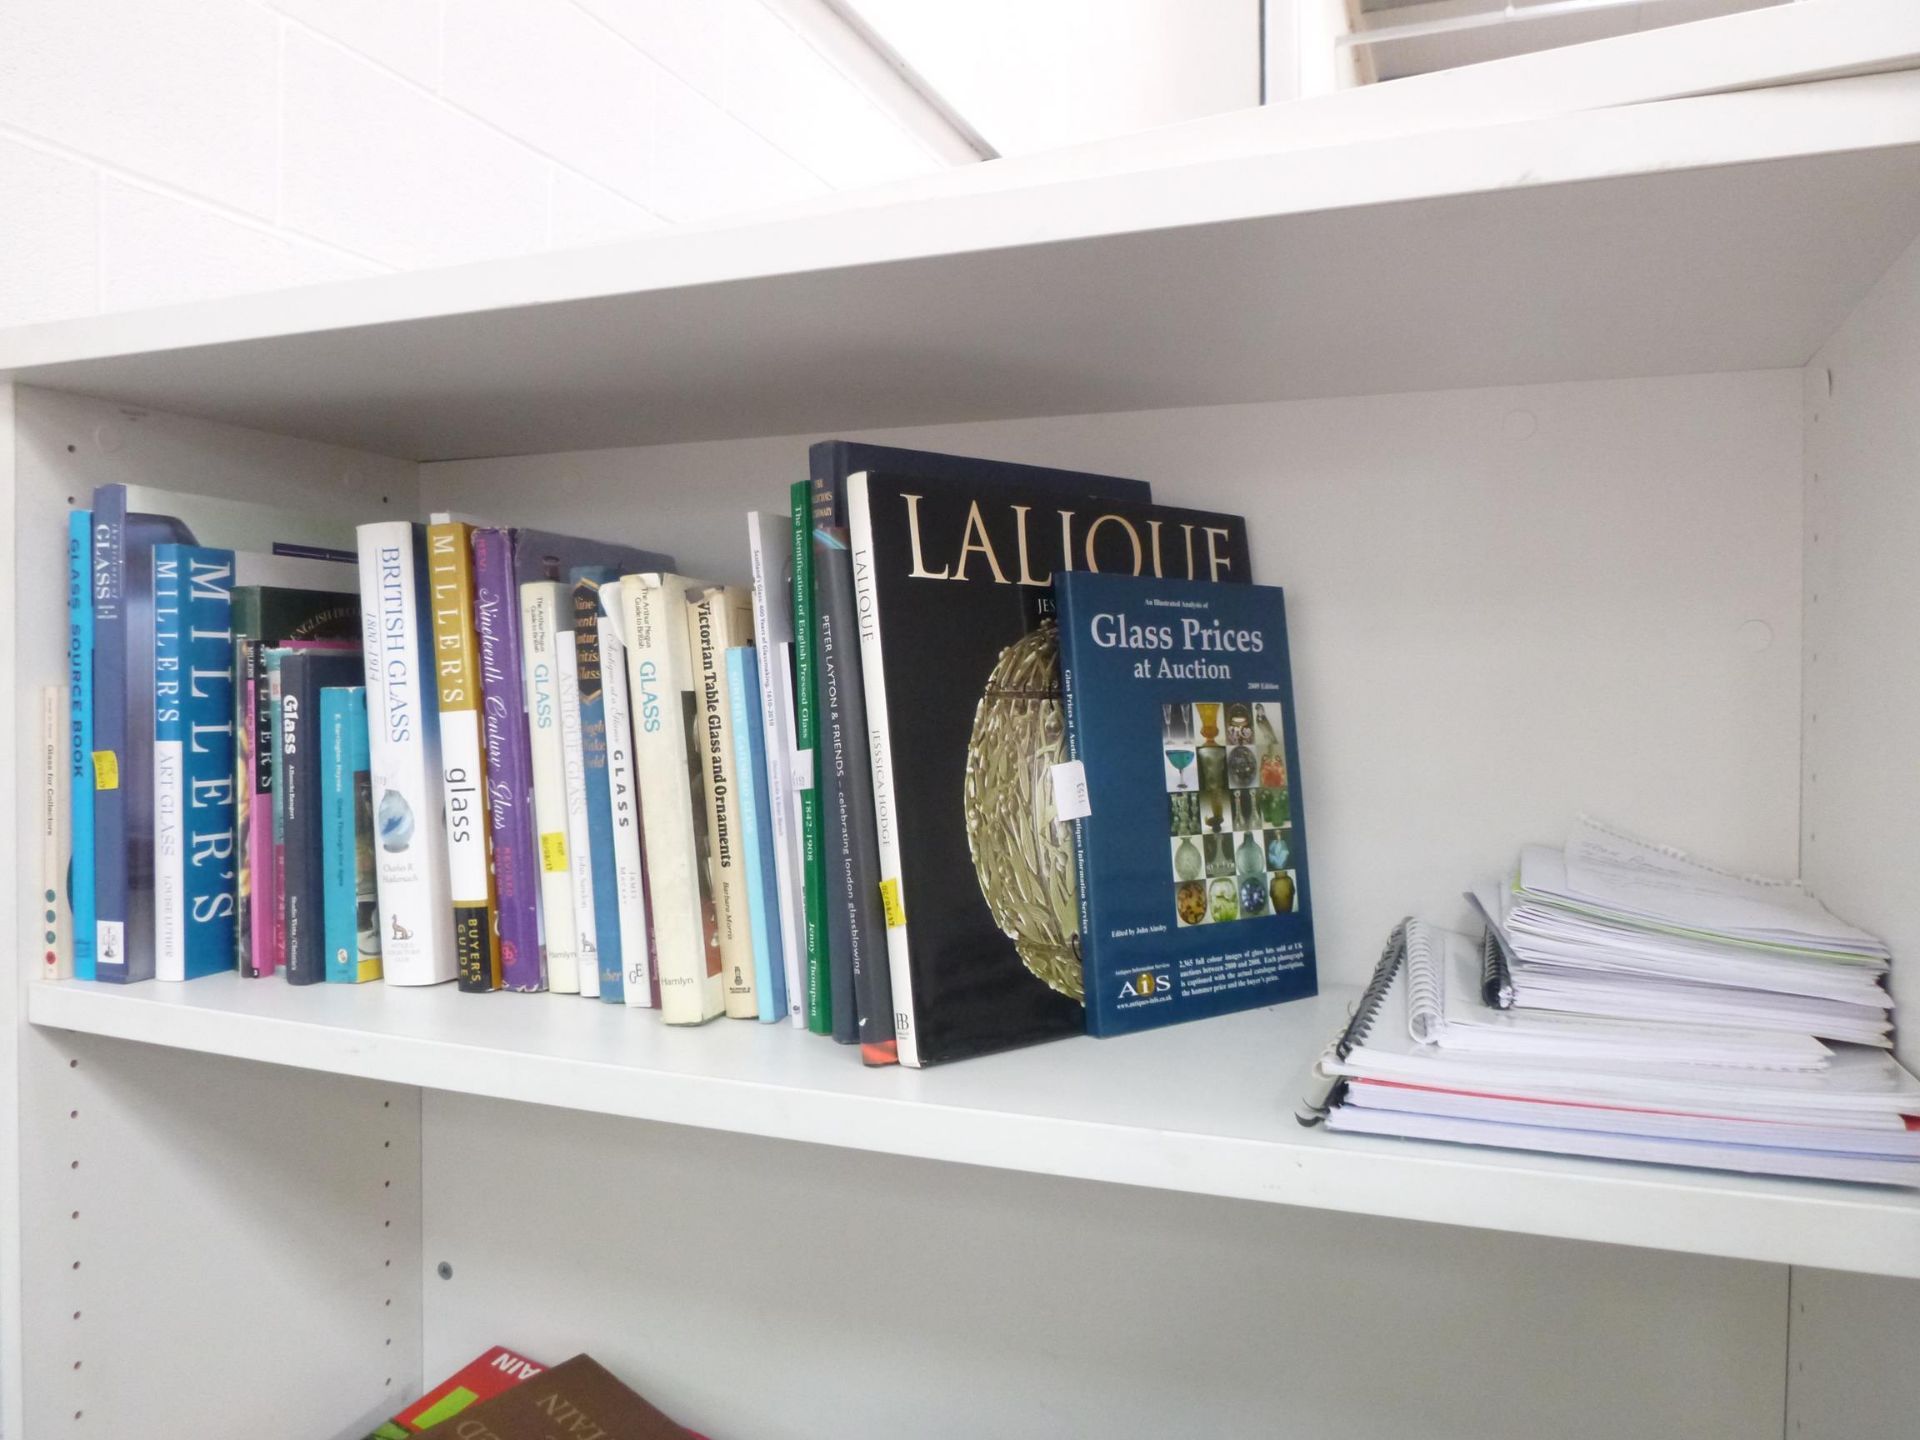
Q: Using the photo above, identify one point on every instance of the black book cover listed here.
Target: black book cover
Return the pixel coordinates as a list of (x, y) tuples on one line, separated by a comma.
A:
[(853, 863), (303, 900), (955, 599), (848, 846), (845, 750)]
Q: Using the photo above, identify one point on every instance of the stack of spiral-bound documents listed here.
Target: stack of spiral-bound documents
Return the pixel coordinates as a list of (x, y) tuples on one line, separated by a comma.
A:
[(1630, 1003)]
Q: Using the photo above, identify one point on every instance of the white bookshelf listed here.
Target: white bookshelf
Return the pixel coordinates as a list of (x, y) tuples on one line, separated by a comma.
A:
[(1534, 419)]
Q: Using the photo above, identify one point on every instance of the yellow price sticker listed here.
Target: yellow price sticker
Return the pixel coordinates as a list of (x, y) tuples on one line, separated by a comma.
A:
[(896, 913), (106, 770), (553, 851)]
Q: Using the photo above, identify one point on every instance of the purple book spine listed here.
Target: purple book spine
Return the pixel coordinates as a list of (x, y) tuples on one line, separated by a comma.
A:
[(509, 762)]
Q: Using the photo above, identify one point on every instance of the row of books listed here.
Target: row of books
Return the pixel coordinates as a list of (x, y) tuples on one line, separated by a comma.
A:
[(855, 795), (1626, 1001)]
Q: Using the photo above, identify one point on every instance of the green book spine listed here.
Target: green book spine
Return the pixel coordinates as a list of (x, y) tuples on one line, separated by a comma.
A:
[(806, 736)]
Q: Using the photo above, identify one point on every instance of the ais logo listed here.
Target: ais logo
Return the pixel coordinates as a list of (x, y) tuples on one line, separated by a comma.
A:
[(1146, 985)]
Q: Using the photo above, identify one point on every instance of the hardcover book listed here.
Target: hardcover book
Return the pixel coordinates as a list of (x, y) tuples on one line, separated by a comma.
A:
[(954, 585), (577, 1400), (462, 755), (516, 874), (669, 759), (720, 618), (855, 934), (756, 833), (770, 543), (494, 1372), (602, 888), (265, 616), (856, 928), (541, 603), (79, 879), (279, 546), (806, 739), (410, 823), (300, 778), (1191, 861), (639, 985), (573, 778), (352, 920), (195, 874)]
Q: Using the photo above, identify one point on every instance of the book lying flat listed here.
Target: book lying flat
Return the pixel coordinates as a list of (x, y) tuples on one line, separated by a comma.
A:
[(579, 1399)]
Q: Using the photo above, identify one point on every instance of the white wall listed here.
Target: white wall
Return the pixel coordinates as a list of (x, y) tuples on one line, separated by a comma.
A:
[(1032, 75), (154, 151)]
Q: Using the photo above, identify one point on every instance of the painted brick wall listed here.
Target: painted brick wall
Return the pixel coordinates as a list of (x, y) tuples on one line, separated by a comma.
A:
[(154, 151)]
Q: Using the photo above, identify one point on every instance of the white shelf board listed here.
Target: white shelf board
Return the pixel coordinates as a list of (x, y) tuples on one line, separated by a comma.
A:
[(1205, 1108), (1721, 232)]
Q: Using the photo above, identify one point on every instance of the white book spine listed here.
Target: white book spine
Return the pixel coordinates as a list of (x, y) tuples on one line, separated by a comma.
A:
[(880, 744), (56, 933), (540, 603), (573, 770), (768, 539), (410, 823), (623, 796), (686, 945)]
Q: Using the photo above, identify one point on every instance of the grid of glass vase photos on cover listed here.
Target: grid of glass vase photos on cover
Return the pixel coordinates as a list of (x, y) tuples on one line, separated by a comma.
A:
[(1231, 823)]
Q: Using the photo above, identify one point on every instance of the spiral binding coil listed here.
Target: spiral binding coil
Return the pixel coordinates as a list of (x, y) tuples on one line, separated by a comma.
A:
[(1368, 1010), (1329, 1088)]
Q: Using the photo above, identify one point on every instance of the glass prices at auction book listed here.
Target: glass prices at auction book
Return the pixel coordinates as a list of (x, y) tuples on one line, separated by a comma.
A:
[(1192, 859)]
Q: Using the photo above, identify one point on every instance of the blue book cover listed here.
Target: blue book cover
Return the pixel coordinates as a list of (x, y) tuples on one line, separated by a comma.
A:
[(122, 859), (586, 581), (300, 788), (756, 832), (80, 736), (1191, 856), (193, 767), (351, 924)]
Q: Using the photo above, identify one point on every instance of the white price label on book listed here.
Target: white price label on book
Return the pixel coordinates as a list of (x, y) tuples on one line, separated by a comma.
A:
[(1070, 791), (803, 769)]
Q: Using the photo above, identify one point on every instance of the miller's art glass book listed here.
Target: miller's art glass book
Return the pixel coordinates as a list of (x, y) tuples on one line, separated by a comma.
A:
[(1191, 858)]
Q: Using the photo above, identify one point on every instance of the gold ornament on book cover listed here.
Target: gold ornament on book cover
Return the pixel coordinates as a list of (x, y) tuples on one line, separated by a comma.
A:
[(1022, 852)]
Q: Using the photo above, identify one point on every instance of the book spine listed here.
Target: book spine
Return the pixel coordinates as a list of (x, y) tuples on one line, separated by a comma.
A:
[(877, 910), (573, 774), (210, 858), (336, 837), (509, 764), (262, 889), (540, 602), (806, 729), (1066, 624), (832, 685), (464, 787), (609, 982), (297, 782), (772, 638), (639, 981), (56, 934), (686, 940), (79, 880), (110, 838), (756, 832), (706, 641), (276, 817), (169, 760), (416, 941)]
